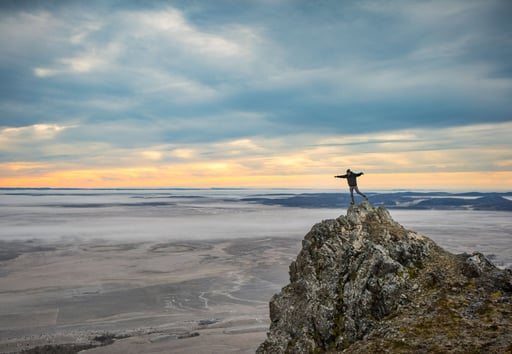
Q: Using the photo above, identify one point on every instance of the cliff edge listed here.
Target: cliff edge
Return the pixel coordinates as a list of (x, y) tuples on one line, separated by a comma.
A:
[(362, 283)]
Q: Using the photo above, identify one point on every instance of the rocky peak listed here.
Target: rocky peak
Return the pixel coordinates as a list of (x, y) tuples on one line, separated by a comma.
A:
[(363, 283)]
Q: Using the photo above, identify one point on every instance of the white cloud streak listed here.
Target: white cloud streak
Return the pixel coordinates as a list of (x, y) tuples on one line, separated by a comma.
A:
[(33, 132)]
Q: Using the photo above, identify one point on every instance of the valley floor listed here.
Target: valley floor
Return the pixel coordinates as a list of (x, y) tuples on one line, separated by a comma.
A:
[(180, 297)]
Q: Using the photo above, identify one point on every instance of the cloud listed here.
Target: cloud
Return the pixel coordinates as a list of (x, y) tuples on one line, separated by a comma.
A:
[(184, 153), (168, 59), (258, 87), (171, 25), (152, 155), (426, 151), (94, 60), (36, 131)]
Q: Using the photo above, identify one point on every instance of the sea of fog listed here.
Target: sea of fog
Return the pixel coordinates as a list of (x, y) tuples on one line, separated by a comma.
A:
[(194, 214)]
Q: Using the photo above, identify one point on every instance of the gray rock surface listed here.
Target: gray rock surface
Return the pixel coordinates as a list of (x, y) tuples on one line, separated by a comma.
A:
[(362, 283)]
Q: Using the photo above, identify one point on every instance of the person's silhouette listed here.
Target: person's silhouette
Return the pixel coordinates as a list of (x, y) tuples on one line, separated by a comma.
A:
[(352, 183)]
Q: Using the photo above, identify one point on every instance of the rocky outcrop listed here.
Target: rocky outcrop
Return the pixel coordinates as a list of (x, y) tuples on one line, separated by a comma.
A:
[(362, 284)]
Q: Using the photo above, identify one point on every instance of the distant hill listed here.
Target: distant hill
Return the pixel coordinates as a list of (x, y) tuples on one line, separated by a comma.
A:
[(398, 200), (492, 202)]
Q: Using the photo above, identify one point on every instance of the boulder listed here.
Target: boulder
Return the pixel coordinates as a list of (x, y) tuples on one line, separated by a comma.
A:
[(363, 283)]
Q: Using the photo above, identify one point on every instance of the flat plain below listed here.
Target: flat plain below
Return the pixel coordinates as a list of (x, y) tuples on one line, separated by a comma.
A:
[(158, 297)]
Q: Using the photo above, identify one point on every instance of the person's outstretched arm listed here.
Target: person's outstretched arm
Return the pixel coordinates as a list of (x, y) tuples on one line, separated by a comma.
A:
[(341, 176)]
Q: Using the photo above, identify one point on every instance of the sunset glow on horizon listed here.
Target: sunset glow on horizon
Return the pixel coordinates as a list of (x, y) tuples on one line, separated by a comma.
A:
[(172, 177)]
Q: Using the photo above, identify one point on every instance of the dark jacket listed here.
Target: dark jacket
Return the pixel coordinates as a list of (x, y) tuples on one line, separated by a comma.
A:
[(351, 179)]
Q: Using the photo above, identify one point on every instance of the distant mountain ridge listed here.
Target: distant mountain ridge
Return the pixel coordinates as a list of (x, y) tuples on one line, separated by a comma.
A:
[(397, 200)]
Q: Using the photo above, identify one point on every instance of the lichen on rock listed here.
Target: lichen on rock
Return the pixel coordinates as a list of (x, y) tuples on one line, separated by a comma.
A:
[(364, 283)]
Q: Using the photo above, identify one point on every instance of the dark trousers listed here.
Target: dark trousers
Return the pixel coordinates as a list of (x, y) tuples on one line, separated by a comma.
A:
[(352, 188)]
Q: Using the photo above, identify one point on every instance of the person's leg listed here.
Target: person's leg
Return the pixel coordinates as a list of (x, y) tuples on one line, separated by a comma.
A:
[(352, 193), (359, 192)]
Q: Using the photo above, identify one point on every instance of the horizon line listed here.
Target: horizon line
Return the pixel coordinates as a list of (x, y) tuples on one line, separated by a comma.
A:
[(391, 190)]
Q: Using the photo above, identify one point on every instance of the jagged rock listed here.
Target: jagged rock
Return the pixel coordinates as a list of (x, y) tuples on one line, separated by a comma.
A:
[(362, 283)]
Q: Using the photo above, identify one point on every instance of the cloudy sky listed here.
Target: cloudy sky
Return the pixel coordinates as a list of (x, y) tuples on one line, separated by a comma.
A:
[(256, 93)]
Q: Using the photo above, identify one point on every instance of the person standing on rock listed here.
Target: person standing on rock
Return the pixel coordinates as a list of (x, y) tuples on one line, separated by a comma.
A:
[(352, 183)]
